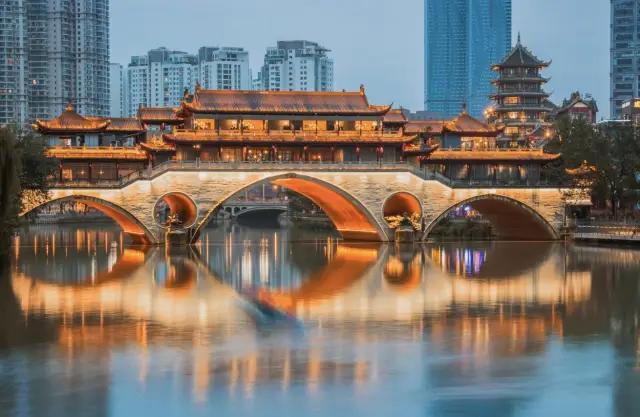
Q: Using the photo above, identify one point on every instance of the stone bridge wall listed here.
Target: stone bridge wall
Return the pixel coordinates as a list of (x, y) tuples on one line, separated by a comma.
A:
[(371, 189)]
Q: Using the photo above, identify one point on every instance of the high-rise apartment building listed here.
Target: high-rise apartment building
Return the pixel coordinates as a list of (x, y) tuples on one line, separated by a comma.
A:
[(625, 53), (297, 66), (224, 68), (117, 85), (53, 52), (463, 38), (159, 78)]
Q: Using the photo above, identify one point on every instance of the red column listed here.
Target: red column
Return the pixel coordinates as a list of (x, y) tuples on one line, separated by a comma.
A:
[(333, 154), (60, 168), (305, 154), (118, 171), (357, 153), (90, 172)]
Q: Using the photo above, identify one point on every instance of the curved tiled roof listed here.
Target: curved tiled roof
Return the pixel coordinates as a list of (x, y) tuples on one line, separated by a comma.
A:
[(70, 121), (159, 115), (282, 102), (520, 56)]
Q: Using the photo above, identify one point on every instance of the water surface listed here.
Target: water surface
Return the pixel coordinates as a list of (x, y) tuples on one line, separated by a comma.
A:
[(90, 328)]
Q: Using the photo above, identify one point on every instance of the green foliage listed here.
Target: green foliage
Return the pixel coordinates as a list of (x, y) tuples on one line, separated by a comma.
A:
[(24, 174), (9, 187), (604, 159)]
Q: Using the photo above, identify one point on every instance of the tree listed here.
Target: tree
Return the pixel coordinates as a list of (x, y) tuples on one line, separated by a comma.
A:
[(37, 168), (9, 187), (25, 171), (604, 159)]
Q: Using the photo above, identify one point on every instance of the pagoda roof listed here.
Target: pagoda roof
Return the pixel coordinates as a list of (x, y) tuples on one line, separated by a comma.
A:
[(502, 155), (421, 126), (111, 153), (156, 144), (121, 124), (393, 116), (158, 115), (282, 102), (521, 56), (70, 122), (465, 124), (568, 104)]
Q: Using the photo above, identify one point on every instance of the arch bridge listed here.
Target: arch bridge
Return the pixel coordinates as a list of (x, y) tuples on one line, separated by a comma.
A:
[(361, 199)]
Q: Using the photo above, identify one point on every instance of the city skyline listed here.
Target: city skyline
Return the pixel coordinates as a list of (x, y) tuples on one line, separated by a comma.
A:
[(383, 53)]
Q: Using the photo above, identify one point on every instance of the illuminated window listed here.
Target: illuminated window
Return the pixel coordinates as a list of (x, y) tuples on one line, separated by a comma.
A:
[(511, 131), (512, 100), (514, 115)]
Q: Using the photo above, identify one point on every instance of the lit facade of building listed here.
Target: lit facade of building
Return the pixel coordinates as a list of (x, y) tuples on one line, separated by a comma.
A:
[(625, 67), (519, 100), (297, 66), (223, 126), (53, 52), (224, 68), (462, 39)]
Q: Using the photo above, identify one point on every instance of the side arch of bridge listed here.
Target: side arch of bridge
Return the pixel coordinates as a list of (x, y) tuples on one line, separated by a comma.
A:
[(511, 218), (129, 223)]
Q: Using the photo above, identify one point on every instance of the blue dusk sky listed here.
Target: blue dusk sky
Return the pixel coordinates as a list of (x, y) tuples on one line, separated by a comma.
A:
[(373, 42)]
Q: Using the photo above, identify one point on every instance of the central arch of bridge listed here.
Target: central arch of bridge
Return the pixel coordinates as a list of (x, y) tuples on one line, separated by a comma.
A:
[(351, 218), (512, 219), (133, 227)]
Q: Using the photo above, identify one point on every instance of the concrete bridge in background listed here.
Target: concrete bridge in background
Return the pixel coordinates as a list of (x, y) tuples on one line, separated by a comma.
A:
[(236, 208), (356, 197)]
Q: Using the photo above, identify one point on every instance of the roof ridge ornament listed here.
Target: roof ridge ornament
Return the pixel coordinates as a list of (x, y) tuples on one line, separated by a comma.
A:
[(362, 89), (69, 105), (519, 43)]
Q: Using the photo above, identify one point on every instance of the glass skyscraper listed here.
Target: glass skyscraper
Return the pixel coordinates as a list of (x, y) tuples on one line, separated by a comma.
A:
[(625, 67), (462, 39)]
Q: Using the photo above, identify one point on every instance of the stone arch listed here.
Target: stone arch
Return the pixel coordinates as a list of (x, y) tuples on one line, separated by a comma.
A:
[(181, 204), (512, 219), (350, 216), (133, 227), (401, 202)]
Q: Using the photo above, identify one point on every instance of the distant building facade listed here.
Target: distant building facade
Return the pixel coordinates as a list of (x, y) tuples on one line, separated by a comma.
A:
[(117, 85), (296, 66), (625, 66), (159, 78), (224, 68), (631, 110), (53, 52), (462, 39)]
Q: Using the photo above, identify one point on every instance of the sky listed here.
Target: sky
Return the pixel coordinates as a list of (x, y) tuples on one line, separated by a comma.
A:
[(378, 43)]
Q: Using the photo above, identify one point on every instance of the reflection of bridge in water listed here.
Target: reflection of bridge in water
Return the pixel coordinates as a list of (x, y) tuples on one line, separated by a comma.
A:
[(365, 281), (175, 297)]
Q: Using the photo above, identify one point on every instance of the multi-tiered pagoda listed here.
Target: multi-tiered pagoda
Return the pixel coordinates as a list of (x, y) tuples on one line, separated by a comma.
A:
[(519, 99)]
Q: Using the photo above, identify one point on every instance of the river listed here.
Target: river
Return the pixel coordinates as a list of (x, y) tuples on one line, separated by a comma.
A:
[(93, 328)]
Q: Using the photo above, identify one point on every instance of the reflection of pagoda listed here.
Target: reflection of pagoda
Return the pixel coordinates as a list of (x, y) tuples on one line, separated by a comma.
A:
[(519, 106)]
